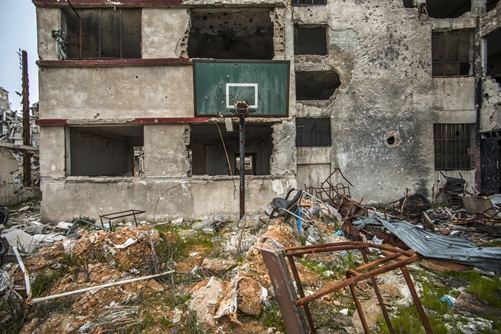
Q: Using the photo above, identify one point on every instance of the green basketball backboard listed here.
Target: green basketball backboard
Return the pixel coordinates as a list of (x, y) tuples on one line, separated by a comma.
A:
[(218, 84)]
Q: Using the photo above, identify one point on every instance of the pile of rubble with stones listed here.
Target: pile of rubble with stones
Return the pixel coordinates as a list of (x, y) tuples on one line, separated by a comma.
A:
[(182, 277)]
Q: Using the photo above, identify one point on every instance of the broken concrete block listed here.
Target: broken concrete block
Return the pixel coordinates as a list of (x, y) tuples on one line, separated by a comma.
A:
[(20, 239), (177, 222), (64, 225), (249, 296), (24, 208), (187, 233), (48, 238), (205, 299), (203, 224), (34, 227), (217, 266)]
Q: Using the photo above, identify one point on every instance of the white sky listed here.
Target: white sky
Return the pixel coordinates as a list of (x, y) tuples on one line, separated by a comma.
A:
[(18, 31)]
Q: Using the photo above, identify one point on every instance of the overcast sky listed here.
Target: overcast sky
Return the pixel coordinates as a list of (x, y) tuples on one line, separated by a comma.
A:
[(18, 31)]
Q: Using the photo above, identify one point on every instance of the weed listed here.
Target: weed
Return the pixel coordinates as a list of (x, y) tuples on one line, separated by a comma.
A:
[(176, 300), (272, 318), (192, 325), (44, 280), (481, 287)]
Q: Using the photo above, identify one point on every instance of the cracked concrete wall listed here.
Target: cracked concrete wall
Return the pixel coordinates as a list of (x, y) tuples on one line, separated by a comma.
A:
[(47, 20), (381, 53), (165, 150), (155, 20), (107, 93), (52, 152), (491, 106)]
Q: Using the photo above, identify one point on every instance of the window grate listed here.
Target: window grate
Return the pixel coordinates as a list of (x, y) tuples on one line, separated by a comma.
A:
[(452, 53), (454, 146), (103, 33), (313, 132)]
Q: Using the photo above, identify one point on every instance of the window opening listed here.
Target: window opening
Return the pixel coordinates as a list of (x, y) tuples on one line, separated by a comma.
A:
[(452, 53), (231, 34), (208, 153), (103, 33), (106, 151), (316, 85), (454, 146), (313, 131), (491, 4), (408, 3), (442, 9), (494, 55), (310, 40)]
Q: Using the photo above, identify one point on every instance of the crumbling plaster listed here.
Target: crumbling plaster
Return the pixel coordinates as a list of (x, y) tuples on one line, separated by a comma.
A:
[(52, 152), (47, 20), (383, 58), (109, 93), (491, 106), (155, 20), (162, 199), (165, 150)]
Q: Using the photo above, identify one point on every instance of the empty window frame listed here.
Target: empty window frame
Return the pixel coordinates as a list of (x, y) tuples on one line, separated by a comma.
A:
[(231, 34), (313, 131), (491, 4), (316, 85), (308, 2), (454, 146), (310, 40), (493, 57), (104, 150), (442, 9), (452, 53), (211, 150), (103, 33)]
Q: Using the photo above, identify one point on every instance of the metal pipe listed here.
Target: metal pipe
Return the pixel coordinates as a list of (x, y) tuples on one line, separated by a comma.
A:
[(242, 165), (42, 299), (25, 272), (417, 302)]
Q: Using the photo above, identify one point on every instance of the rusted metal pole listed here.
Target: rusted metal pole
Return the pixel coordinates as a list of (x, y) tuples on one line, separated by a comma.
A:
[(242, 165), (26, 122)]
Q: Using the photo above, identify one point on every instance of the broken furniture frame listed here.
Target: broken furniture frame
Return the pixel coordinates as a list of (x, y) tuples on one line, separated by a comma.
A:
[(328, 191), (120, 214), (452, 188), (283, 207), (295, 317)]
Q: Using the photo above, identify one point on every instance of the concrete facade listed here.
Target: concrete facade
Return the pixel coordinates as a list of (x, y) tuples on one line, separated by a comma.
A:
[(372, 77)]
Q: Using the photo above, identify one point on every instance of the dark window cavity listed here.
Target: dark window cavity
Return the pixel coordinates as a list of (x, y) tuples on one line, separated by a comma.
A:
[(103, 33), (452, 53), (442, 9), (494, 55), (212, 147), (231, 34), (316, 85), (310, 40), (454, 146), (408, 3), (491, 4), (105, 150), (308, 2), (313, 132)]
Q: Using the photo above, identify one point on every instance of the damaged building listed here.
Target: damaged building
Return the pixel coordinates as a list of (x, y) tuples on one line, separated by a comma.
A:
[(395, 93)]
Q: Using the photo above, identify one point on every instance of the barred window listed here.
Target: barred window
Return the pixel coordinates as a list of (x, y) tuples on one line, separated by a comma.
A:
[(313, 132), (103, 33), (452, 53), (454, 146)]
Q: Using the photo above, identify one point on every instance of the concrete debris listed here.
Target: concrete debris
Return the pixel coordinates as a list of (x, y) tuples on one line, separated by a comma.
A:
[(223, 272)]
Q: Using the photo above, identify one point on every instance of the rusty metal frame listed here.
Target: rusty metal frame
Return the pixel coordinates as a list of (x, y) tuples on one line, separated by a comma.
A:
[(120, 214), (394, 259)]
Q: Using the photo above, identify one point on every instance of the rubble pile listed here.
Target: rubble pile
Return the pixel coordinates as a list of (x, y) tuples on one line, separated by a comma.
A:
[(209, 276)]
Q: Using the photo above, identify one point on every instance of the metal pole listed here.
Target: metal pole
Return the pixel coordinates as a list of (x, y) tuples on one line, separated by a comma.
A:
[(26, 122), (242, 165)]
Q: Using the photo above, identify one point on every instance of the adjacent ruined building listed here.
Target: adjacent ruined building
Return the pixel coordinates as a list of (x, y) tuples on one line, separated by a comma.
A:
[(12, 150), (395, 93)]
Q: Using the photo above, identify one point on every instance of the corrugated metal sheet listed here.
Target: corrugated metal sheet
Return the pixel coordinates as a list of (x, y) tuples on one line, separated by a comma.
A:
[(437, 246)]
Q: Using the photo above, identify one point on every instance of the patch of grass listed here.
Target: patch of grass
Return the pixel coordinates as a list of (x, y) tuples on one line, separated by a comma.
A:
[(44, 280), (192, 326), (491, 243), (407, 320), (272, 318), (176, 300), (481, 287)]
